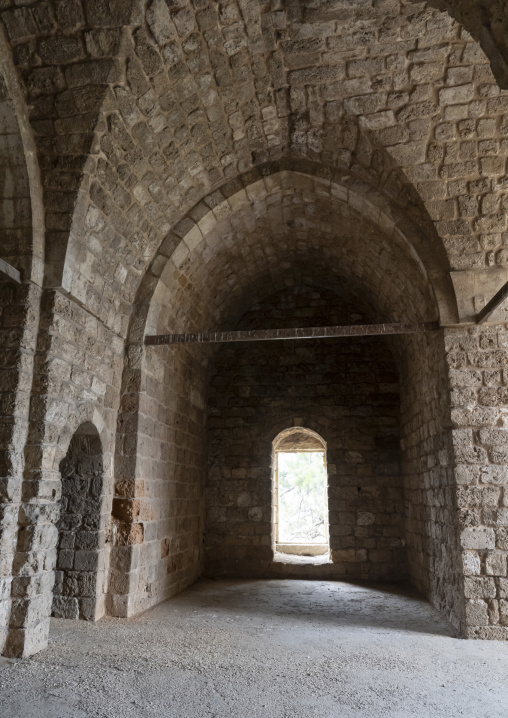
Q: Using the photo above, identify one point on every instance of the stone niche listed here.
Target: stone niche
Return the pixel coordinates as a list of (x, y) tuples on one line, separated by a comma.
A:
[(344, 390), (75, 594)]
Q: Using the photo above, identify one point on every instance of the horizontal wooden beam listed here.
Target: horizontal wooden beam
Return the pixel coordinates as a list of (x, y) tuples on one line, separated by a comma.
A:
[(8, 271), (263, 335), (492, 305)]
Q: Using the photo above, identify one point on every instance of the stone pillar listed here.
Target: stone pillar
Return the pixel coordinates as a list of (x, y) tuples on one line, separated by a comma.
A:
[(127, 530), (73, 382), (478, 370), (18, 327)]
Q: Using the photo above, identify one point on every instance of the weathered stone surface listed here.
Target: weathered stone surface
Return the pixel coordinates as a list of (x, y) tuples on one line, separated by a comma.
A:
[(184, 162), (79, 545), (332, 387)]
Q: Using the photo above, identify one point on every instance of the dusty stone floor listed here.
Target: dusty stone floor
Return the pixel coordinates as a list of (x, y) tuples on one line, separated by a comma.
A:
[(246, 649)]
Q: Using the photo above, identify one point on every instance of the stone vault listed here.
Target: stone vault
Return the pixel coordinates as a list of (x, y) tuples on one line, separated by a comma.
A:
[(189, 166)]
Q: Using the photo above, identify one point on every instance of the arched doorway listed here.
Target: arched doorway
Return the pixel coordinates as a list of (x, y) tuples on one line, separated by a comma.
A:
[(78, 590)]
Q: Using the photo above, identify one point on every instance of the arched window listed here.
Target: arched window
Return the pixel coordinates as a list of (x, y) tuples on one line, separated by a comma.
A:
[(300, 495)]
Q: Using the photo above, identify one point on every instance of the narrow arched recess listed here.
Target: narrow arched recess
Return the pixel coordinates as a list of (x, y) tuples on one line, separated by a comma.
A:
[(80, 579)]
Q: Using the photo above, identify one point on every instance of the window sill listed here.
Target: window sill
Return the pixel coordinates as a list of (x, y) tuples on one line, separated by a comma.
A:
[(291, 558)]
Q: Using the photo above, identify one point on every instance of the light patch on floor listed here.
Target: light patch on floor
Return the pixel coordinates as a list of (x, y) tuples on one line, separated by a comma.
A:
[(252, 649)]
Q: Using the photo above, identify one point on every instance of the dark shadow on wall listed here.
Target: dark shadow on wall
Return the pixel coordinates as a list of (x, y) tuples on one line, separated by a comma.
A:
[(487, 22), (77, 574), (345, 390)]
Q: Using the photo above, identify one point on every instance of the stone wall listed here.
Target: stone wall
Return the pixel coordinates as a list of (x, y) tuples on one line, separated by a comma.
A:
[(478, 362), (487, 22), (77, 373), (19, 313), (18, 327), (347, 391), (429, 478), (225, 253), (160, 455), (80, 584), (146, 120), (222, 153), (158, 505)]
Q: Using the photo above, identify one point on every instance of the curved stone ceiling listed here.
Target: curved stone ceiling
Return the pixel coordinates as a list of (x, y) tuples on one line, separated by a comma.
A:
[(487, 21), (22, 215), (289, 229), (139, 114)]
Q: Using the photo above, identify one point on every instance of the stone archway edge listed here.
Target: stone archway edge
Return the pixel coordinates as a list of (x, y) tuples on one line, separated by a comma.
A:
[(252, 335)]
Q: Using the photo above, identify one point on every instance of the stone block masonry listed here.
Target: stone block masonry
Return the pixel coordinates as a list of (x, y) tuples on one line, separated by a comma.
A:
[(79, 576), (166, 169), (19, 315), (478, 364), (346, 390), (429, 476)]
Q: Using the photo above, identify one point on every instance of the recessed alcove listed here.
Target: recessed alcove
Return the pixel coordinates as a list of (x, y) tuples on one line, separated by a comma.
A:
[(193, 169), (340, 399), (79, 577)]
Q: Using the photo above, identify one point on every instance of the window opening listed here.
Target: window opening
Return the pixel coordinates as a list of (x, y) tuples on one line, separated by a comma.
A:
[(300, 497)]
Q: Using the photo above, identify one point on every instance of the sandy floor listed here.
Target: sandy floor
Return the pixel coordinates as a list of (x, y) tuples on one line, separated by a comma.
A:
[(246, 649)]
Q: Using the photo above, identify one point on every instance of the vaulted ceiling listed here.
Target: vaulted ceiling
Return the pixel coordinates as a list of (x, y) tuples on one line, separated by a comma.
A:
[(140, 113)]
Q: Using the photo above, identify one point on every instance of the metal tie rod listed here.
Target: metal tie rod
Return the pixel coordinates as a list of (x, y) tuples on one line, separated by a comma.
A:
[(261, 335), (491, 306), (9, 272)]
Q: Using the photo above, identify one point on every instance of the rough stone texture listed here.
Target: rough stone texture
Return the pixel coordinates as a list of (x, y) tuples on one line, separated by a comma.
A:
[(19, 313), (478, 361), (77, 366), (165, 167), (161, 424), (430, 483), (18, 325), (158, 504), (181, 115), (80, 579), (184, 109), (346, 391), (487, 21)]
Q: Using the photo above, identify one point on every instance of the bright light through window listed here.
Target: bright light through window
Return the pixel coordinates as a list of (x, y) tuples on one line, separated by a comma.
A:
[(302, 498)]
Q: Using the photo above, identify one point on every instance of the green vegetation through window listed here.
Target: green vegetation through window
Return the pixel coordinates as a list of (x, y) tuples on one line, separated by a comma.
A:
[(302, 498)]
